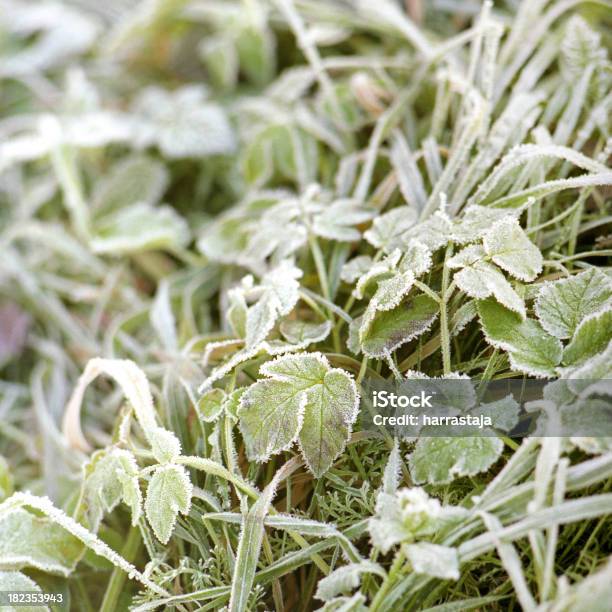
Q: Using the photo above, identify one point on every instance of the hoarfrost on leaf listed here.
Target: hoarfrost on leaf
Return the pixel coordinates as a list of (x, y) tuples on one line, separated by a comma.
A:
[(169, 492), (302, 398), (510, 248)]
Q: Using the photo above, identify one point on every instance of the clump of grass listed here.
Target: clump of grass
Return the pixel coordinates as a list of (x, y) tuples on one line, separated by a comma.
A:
[(219, 220)]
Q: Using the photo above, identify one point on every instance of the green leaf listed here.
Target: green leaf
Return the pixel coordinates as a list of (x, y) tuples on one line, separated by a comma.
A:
[(476, 222), (387, 229), (346, 579), (591, 337), (439, 460), (433, 560), (530, 348), (392, 328), (210, 405), (140, 227), (510, 248), (301, 396), (30, 541), (481, 279), (111, 476), (562, 305), (304, 333), (182, 123), (338, 219), (169, 492), (355, 268), (131, 180)]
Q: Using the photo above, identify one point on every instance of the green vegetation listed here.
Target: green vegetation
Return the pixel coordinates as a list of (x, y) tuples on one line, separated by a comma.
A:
[(219, 219)]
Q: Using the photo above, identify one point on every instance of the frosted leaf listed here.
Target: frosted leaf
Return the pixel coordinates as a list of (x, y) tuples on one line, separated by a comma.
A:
[(416, 259), (434, 233), (466, 257), (57, 34), (140, 227), (30, 541), (110, 477), (389, 293), (530, 348), (355, 268), (483, 279), (378, 270), (392, 474), (135, 179), (133, 383), (581, 47), (510, 248), (504, 413), (17, 582), (408, 515), (387, 229), (162, 318), (164, 444), (392, 328), (433, 560), (439, 460), (182, 123), (345, 579), (237, 312), (476, 221), (592, 336), (304, 333), (593, 375), (301, 397), (463, 317), (210, 405), (561, 305), (169, 492), (275, 296), (337, 220)]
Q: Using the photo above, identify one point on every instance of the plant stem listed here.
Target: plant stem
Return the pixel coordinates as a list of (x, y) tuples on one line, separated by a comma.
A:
[(390, 580), (118, 577), (444, 333)]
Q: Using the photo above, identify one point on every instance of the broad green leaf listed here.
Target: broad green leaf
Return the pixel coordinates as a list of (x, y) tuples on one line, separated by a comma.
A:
[(300, 396), (504, 413), (355, 268), (480, 279), (31, 541), (338, 219), (416, 259), (592, 336), (139, 227), (439, 460), (433, 560), (16, 582), (131, 180), (389, 293), (387, 229), (510, 248), (110, 477), (382, 269), (434, 233), (530, 348), (392, 328), (182, 123), (476, 222), (304, 333), (210, 405), (346, 579), (169, 492), (562, 305)]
